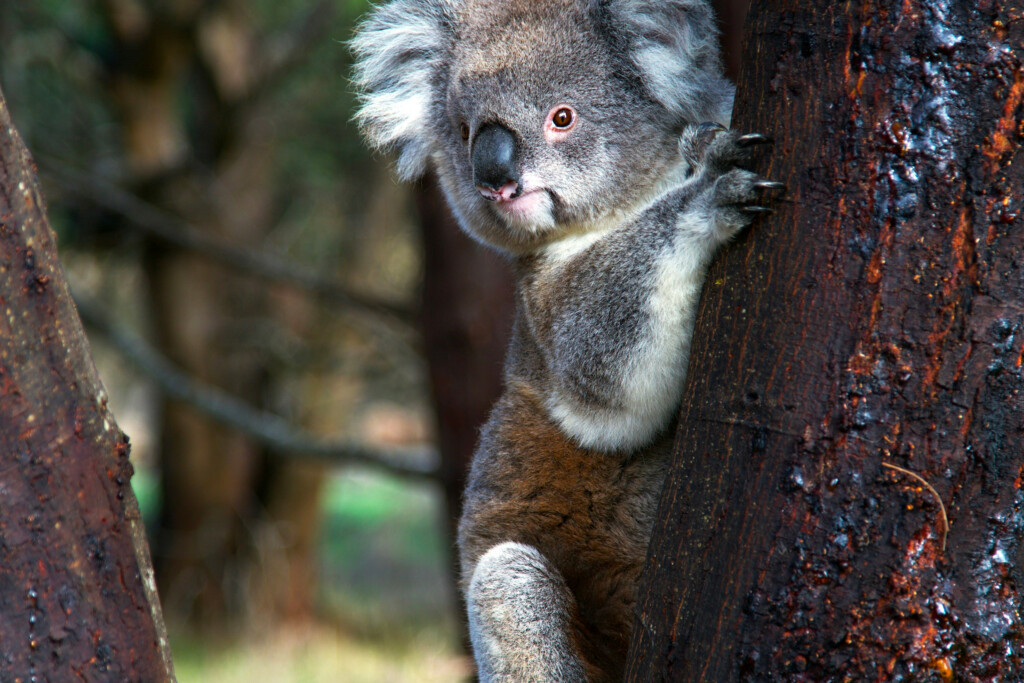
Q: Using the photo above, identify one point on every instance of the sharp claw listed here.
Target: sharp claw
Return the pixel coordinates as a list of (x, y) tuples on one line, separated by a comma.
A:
[(710, 126), (752, 139), (769, 185), (755, 209)]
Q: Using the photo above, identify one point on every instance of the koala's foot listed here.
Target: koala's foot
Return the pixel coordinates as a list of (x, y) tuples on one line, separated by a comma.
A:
[(520, 618)]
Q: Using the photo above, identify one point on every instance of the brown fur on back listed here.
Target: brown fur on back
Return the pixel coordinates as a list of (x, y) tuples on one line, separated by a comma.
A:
[(590, 513)]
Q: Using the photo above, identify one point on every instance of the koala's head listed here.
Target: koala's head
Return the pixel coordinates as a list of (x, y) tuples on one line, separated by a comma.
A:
[(541, 117)]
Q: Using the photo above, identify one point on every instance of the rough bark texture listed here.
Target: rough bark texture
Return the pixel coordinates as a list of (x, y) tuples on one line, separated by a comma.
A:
[(77, 598), (876, 320)]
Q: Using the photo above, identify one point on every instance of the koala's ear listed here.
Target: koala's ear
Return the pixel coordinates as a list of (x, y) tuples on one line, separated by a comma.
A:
[(400, 52), (674, 46)]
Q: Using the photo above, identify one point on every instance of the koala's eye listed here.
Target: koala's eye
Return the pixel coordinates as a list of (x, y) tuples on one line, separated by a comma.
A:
[(563, 117), (464, 130)]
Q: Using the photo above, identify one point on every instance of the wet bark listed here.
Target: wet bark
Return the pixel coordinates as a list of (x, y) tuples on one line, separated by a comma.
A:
[(873, 322), (77, 598)]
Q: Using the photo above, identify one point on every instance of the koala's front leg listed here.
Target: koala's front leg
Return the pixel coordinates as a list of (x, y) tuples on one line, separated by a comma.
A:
[(521, 617), (613, 316)]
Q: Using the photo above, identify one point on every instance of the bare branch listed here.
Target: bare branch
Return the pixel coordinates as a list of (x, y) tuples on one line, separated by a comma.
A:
[(172, 230), (267, 428)]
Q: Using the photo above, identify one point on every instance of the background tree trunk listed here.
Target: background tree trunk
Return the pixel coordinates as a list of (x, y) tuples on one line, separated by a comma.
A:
[(466, 319), (237, 530), (876, 321), (77, 597)]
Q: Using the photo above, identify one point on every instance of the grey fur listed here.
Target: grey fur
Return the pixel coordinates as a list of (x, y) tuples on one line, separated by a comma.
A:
[(425, 64), (610, 229), (519, 614)]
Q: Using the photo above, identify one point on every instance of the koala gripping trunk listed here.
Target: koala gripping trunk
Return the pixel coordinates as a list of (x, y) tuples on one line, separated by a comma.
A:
[(847, 499)]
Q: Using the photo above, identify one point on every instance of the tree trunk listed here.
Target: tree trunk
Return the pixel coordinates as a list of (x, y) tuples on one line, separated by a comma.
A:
[(732, 14), (237, 530), (466, 319), (874, 323), (77, 598)]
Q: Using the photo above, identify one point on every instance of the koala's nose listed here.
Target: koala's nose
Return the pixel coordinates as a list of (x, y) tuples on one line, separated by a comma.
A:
[(494, 162)]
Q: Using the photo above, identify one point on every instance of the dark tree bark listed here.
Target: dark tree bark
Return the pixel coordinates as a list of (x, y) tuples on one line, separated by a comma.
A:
[(77, 598), (466, 319), (874, 322), (732, 14)]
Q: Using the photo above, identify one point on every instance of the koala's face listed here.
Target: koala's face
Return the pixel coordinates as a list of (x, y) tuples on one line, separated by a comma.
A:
[(542, 131), (542, 117)]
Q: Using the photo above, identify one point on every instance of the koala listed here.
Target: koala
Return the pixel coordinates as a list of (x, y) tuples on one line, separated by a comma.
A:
[(587, 141)]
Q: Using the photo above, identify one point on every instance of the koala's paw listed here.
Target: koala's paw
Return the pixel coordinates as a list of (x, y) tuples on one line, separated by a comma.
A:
[(736, 193), (721, 163), (712, 149), (730, 149), (696, 140), (738, 196)]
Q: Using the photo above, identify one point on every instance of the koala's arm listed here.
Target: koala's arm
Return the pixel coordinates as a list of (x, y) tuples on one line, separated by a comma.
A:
[(613, 313)]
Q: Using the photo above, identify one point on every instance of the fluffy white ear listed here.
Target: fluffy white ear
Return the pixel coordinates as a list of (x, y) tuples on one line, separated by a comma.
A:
[(674, 45), (400, 52)]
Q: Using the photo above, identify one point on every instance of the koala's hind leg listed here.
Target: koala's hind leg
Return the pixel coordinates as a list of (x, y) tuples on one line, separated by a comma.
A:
[(520, 618)]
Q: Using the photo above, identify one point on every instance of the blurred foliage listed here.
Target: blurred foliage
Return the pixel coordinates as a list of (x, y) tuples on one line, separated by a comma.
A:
[(382, 553), (338, 212), (51, 57), (384, 594), (383, 587)]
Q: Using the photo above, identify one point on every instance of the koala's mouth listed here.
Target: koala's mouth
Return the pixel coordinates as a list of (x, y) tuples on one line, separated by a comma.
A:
[(532, 206)]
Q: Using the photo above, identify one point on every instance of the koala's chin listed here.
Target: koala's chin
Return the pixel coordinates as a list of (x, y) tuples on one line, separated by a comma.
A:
[(532, 211)]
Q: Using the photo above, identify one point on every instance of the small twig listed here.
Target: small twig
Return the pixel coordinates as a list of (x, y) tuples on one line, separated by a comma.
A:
[(942, 507), (267, 428)]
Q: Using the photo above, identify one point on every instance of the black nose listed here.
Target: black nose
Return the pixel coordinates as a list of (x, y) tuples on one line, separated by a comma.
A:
[(494, 158)]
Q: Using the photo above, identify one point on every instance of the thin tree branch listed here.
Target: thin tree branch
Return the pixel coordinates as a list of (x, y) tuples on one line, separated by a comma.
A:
[(171, 230), (267, 428)]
